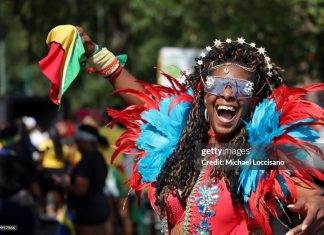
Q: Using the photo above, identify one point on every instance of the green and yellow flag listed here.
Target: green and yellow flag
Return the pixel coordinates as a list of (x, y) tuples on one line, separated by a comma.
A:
[(62, 63)]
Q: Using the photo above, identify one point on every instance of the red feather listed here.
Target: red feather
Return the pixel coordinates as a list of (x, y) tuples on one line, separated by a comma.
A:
[(164, 91), (129, 117), (294, 107), (259, 214), (121, 148), (135, 182), (188, 80), (132, 120), (173, 81), (151, 90), (148, 102), (179, 99), (152, 198)]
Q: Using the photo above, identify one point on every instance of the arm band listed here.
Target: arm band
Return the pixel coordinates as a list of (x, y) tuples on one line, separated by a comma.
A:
[(103, 62)]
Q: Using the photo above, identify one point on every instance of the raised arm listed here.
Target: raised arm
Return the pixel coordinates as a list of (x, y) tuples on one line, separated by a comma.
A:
[(120, 81)]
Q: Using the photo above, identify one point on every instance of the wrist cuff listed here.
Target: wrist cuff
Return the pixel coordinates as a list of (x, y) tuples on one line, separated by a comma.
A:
[(101, 60), (105, 63)]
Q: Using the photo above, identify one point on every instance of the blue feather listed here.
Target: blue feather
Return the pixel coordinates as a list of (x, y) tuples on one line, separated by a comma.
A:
[(263, 127), (304, 133), (160, 135)]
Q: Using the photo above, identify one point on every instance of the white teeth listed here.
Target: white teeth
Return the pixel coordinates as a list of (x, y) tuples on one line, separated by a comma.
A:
[(223, 107)]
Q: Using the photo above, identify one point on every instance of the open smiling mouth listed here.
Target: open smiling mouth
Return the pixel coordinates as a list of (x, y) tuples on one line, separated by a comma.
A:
[(226, 113)]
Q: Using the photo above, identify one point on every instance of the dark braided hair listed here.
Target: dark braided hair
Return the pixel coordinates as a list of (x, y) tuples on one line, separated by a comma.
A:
[(180, 171)]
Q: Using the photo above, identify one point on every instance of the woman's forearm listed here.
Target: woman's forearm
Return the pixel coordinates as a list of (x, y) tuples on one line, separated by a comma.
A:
[(126, 80)]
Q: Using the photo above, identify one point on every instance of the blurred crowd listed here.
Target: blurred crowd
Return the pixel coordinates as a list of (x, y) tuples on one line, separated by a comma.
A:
[(49, 177)]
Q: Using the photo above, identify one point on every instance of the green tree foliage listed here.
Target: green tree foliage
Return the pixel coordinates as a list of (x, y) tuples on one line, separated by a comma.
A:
[(291, 31), (311, 13)]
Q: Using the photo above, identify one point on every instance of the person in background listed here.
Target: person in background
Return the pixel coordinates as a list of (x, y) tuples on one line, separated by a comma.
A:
[(55, 162), (85, 184), (18, 183), (36, 135), (116, 188)]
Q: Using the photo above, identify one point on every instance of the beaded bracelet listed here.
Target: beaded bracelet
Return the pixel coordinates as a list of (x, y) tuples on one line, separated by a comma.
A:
[(115, 74)]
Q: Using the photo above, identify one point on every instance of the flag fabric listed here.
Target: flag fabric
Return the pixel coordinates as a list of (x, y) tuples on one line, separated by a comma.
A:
[(65, 222), (62, 63)]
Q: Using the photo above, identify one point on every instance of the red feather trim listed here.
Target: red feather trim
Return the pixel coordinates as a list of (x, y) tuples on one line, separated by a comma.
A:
[(130, 117), (174, 82), (188, 80), (179, 99), (135, 182), (155, 94), (294, 107), (121, 149), (259, 213), (148, 102), (263, 200), (152, 198), (165, 91)]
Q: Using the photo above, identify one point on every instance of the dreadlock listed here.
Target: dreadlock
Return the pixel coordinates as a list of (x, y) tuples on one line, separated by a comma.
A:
[(180, 171)]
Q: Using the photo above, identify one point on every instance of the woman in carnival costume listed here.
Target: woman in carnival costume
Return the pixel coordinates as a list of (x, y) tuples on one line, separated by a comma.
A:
[(235, 96), (218, 105)]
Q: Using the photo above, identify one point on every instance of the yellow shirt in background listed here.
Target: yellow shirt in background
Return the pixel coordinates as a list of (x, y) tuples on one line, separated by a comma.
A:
[(111, 135), (50, 160)]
